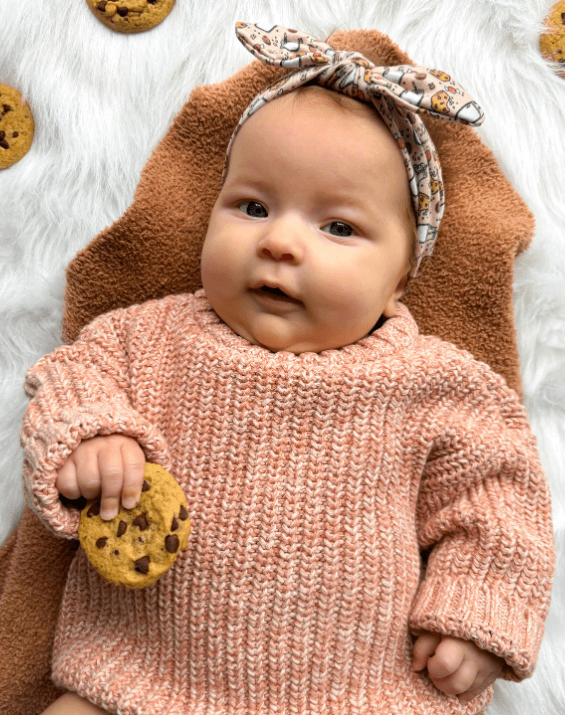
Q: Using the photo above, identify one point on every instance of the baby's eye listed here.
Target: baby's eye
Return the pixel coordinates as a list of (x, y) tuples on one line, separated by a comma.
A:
[(253, 208), (339, 228)]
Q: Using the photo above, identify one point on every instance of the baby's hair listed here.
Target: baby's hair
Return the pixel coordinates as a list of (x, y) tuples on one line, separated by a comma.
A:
[(313, 91)]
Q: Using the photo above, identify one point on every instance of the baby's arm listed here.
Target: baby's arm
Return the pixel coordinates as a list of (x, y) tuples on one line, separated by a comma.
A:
[(84, 391), (455, 666), (483, 517), (111, 466)]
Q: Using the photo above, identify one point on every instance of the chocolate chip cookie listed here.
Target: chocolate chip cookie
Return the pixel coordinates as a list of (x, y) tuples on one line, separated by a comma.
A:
[(552, 41), (136, 547), (131, 15), (16, 126)]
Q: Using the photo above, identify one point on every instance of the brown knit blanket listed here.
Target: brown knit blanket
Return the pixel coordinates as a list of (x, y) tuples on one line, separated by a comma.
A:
[(464, 295)]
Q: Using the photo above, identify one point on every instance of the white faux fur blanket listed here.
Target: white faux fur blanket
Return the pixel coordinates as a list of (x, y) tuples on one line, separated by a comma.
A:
[(103, 100)]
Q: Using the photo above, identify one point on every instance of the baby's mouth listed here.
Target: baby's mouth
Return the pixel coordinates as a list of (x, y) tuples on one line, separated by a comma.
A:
[(276, 294)]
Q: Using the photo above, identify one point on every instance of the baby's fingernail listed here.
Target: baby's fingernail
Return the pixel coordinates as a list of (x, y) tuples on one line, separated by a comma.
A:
[(129, 502), (108, 514)]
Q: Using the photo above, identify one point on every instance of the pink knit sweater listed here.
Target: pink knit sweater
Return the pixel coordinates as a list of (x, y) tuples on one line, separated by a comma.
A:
[(315, 484)]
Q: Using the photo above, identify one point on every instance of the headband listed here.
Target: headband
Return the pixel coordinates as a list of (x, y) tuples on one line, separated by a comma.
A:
[(399, 94)]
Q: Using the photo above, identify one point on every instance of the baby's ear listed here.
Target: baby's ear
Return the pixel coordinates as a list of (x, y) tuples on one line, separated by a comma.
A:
[(390, 308), (403, 283)]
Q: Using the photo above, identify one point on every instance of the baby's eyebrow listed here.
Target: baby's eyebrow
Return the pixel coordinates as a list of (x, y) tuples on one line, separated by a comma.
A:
[(338, 199), (245, 183)]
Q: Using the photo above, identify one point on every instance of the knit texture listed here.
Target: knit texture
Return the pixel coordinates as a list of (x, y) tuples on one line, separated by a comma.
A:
[(315, 483)]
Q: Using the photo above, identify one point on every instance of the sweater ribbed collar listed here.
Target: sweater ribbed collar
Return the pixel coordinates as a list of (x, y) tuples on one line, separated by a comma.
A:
[(395, 335)]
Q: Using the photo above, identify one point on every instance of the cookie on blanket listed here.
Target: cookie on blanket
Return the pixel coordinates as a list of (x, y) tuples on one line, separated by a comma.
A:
[(131, 15), (16, 126), (136, 547), (552, 41)]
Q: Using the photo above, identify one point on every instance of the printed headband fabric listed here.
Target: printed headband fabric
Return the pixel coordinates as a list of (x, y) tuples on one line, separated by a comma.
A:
[(399, 94)]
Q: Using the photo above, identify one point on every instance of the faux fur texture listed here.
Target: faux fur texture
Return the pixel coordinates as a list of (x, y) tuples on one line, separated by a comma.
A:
[(102, 101)]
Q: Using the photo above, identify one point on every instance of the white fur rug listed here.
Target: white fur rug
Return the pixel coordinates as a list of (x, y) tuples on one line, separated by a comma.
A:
[(102, 101)]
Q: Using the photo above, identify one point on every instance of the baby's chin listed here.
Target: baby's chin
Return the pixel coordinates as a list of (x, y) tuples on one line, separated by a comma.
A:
[(287, 333), (276, 342), (275, 334), (278, 338)]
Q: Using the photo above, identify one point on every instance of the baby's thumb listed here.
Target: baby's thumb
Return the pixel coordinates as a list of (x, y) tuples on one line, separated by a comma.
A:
[(424, 648)]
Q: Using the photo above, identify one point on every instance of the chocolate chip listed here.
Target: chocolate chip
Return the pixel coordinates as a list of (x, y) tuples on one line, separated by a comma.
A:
[(101, 543), (116, 552), (94, 510), (152, 2), (15, 134), (123, 11), (146, 486), (102, 6), (172, 543), (141, 522), (122, 528), (174, 524), (183, 514), (142, 564), (7, 108), (563, 17), (4, 144), (2, 136)]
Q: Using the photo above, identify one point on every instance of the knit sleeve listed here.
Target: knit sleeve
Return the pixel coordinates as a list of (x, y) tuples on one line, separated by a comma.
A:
[(484, 523), (77, 392)]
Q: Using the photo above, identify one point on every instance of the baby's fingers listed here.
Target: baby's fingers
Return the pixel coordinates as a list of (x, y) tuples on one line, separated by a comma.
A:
[(122, 466), (66, 482), (458, 682), (85, 459), (424, 647), (134, 470), (479, 684), (448, 657), (111, 467)]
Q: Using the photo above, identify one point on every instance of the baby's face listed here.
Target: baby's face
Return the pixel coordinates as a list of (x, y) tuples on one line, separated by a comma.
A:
[(308, 243)]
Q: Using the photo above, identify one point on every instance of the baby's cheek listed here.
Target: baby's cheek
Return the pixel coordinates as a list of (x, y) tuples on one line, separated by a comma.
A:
[(334, 278), (334, 295), (217, 261), (349, 292), (350, 306)]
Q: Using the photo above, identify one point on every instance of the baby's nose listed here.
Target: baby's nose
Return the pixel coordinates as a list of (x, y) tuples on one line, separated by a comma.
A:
[(283, 238), (277, 255), (283, 241)]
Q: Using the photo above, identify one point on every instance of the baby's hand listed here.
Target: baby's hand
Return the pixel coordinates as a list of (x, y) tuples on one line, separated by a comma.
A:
[(112, 466), (455, 666)]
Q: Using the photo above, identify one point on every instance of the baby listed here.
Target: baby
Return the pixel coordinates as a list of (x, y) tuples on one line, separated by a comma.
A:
[(371, 523)]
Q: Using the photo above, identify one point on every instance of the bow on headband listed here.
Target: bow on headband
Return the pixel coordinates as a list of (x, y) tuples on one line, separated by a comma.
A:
[(399, 94)]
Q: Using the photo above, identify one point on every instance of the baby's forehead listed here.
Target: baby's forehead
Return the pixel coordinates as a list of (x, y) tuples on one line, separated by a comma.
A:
[(323, 146), (313, 115), (330, 115), (326, 101)]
